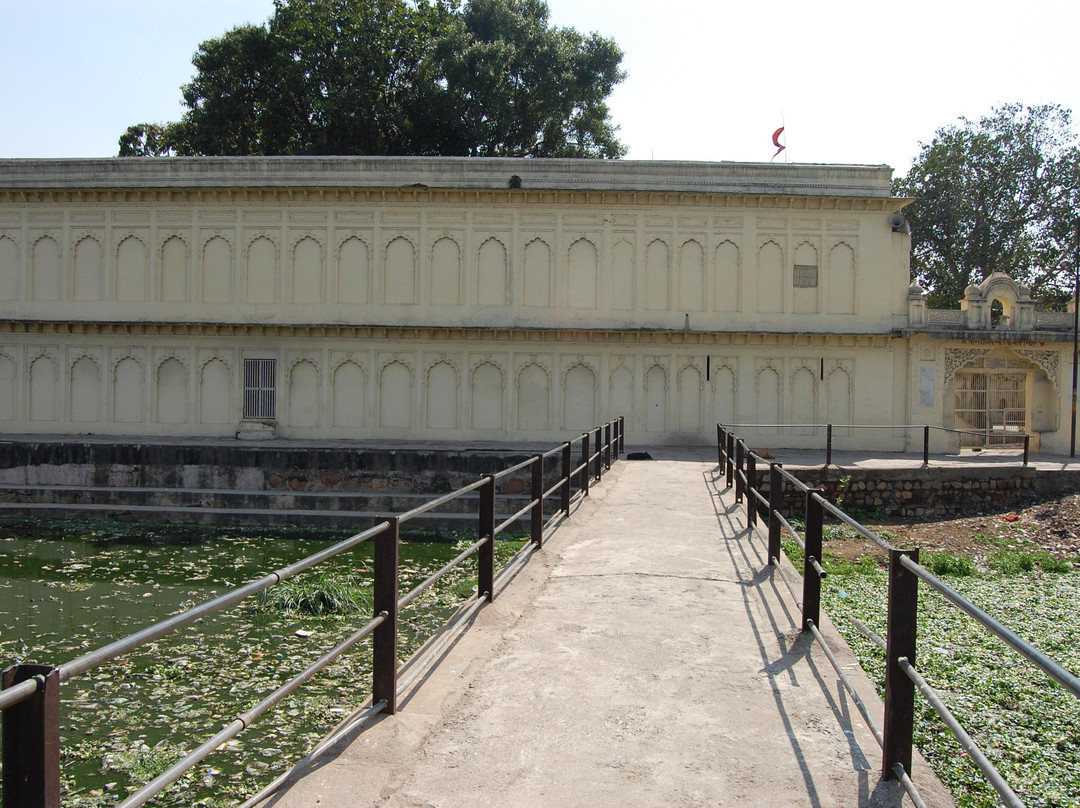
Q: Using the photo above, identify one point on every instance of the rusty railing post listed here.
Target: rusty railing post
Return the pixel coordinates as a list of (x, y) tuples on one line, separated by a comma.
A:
[(740, 450), (751, 481), (384, 639), (31, 737), (899, 643), (536, 532), (1027, 448), (586, 459), (597, 439), (828, 445), (567, 475), (729, 454), (926, 446), (485, 557), (622, 434), (607, 446), (720, 446), (776, 502), (815, 519)]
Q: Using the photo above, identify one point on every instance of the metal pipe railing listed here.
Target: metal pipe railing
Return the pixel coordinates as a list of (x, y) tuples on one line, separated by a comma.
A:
[(30, 697), (739, 465)]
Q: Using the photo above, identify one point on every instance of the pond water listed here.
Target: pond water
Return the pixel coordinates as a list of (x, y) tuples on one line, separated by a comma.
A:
[(127, 721)]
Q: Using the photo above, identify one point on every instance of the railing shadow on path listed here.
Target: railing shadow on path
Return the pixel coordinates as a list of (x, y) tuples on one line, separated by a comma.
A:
[(745, 551)]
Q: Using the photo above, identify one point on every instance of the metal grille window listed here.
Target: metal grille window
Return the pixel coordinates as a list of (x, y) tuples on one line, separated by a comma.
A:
[(994, 404), (805, 276), (260, 389)]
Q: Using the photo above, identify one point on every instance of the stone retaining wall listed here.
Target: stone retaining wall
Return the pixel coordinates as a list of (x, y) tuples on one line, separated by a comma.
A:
[(931, 493)]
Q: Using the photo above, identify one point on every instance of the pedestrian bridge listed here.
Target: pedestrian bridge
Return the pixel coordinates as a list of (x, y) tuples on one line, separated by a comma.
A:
[(646, 655)]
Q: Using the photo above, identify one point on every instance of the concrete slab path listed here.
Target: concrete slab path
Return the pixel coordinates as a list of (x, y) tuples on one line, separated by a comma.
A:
[(646, 656)]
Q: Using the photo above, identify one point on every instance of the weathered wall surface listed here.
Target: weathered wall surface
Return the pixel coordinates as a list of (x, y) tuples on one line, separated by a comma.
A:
[(424, 299)]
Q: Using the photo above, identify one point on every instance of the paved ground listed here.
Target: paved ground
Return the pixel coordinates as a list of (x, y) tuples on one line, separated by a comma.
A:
[(647, 656)]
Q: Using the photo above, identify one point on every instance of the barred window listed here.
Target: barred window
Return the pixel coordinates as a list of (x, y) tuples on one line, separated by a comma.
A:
[(805, 276), (260, 389)]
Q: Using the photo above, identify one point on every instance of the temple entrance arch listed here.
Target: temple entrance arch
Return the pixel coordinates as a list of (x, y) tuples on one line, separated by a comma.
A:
[(1001, 394)]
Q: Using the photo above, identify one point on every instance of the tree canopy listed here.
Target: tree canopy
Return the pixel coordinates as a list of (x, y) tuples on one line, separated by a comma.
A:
[(342, 77), (996, 195)]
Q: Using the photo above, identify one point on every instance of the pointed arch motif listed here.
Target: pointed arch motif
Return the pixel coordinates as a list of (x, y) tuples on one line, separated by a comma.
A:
[(770, 278), (307, 270), (173, 286), (399, 275), (10, 271), (488, 396), (445, 272), (727, 289), (217, 270), (579, 397), (349, 393), (171, 392), (582, 274), (691, 285), (536, 284), (491, 273), (533, 398), (45, 274), (261, 271), (88, 281), (132, 270), (353, 271), (657, 275)]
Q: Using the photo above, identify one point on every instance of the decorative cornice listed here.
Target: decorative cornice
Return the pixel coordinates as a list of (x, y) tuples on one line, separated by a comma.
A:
[(426, 333), (412, 196), (449, 174)]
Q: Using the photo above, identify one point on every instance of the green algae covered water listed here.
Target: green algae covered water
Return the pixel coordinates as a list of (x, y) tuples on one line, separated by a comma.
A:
[(129, 720)]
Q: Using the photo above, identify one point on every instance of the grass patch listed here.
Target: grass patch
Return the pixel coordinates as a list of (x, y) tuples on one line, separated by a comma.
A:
[(322, 594), (949, 564)]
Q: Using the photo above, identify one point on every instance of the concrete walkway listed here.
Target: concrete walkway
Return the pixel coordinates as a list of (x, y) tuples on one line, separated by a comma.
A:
[(646, 656)]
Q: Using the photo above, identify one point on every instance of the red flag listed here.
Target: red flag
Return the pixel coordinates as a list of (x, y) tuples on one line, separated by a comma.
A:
[(776, 140)]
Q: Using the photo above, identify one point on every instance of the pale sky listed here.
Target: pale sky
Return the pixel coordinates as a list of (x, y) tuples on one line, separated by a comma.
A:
[(854, 81)]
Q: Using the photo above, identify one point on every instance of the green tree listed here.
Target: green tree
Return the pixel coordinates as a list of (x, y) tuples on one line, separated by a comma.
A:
[(396, 77), (995, 195)]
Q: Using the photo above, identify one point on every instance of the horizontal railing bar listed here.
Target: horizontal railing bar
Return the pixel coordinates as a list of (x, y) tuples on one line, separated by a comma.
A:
[(451, 628), (820, 570), (1021, 646), (514, 517), (431, 579), (16, 694), (557, 487), (855, 697), (435, 503), (847, 520), (558, 450), (242, 722), (523, 464), (1007, 795), (315, 753), (908, 786), (799, 484), (122, 646), (795, 534), (787, 583), (868, 632), (579, 469), (762, 499), (875, 426)]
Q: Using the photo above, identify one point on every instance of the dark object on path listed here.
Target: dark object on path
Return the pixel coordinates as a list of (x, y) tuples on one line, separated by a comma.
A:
[(639, 456)]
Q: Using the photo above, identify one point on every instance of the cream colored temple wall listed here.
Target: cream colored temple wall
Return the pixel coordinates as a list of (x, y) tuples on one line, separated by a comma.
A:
[(424, 299)]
